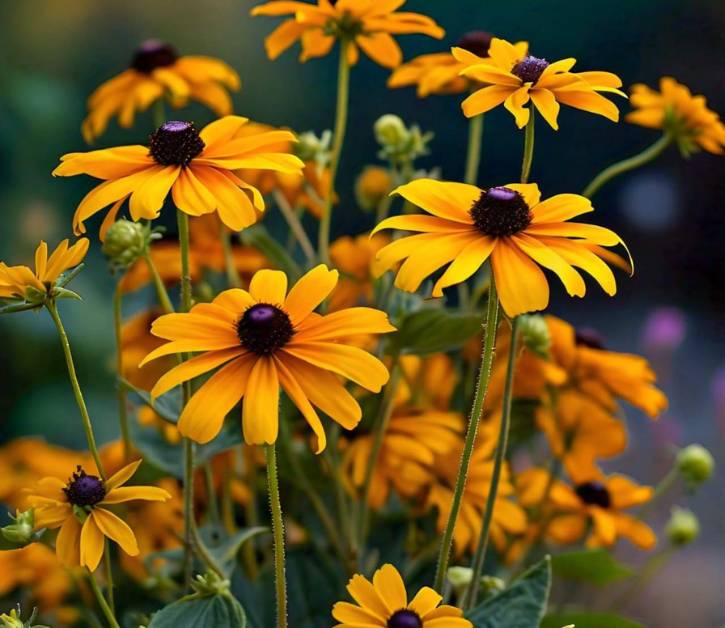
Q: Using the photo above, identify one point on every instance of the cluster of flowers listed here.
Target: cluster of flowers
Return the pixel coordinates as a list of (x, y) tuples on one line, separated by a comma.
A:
[(325, 339)]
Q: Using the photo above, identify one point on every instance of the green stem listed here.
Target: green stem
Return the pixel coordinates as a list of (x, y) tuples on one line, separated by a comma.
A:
[(102, 602), (476, 412), (469, 598), (211, 496), (293, 222), (528, 148), (109, 575), (161, 293), (159, 113), (473, 158), (666, 483), (233, 278), (343, 96), (637, 161), (644, 576), (278, 534), (121, 392), (332, 456), (87, 425)]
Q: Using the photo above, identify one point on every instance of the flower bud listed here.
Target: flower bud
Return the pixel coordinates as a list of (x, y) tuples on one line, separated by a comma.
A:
[(683, 527), (390, 131), (12, 620), (372, 186), (460, 577), (695, 464), (309, 147), (535, 334), (20, 532), (125, 242)]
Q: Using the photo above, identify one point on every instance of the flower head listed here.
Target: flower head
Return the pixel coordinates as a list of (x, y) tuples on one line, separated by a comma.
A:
[(79, 507), (354, 256), (384, 602), (675, 110), (265, 339), (366, 25), (514, 77), (196, 167), (508, 224), (157, 71)]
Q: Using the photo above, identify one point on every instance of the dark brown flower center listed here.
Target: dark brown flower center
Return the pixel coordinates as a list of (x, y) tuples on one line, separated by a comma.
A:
[(175, 143), (477, 42), (83, 489), (405, 619), (264, 328), (501, 212), (153, 54), (588, 337), (594, 494), (530, 69)]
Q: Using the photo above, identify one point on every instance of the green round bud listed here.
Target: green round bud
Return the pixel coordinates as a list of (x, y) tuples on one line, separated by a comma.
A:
[(20, 532), (695, 464), (683, 527), (125, 242), (535, 333), (309, 147), (492, 585), (390, 131), (12, 620), (460, 577)]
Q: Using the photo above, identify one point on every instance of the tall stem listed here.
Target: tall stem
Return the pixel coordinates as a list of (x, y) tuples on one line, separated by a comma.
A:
[(469, 599), (161, 294), (295, 225), (528, 148), (343, 96), (484, 376), (473, 158), (230, 267), (87, 425), (107, 612), (278, 535), (636, 161), (159, 112), (121, 392), (109, 575)]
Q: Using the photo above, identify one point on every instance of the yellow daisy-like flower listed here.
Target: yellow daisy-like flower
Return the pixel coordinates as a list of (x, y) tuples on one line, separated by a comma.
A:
[(676, 110), (80, 509), (21, 282), (264, 339), (156, 72), (514, 77), (367, 25), (384, 603), (508, 224), (196, 167)]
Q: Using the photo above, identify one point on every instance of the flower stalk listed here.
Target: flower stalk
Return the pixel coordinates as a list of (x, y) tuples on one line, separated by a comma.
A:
[(105, 608), (121, 391), (473, 157), (278, 535)]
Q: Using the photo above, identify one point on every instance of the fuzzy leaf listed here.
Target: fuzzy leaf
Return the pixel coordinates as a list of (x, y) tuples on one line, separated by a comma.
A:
[(594, 566)]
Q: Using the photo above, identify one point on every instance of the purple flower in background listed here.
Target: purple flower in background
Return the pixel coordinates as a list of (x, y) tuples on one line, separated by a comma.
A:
[(664, 330)]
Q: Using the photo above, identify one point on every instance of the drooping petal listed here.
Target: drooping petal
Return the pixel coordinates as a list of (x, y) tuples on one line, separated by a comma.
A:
[(91, 543), (466, 263), (68, 542), (550, 259), (521, 285), (260, 411), (116, 529)]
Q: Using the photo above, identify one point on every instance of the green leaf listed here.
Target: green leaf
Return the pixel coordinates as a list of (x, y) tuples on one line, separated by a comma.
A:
[(258, 237), (588, 620), (223, 547), (216, 611), (433, 330), (594, 566), (521, 605), (167, 406)]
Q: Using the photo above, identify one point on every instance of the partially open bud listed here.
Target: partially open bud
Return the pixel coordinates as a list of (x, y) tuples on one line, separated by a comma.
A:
[(695, 464), (683, 527), (390, 130), (13, 619), (372, 186), (400, 144), (20, 532), (309, 147), (535, 334), (125, 242)]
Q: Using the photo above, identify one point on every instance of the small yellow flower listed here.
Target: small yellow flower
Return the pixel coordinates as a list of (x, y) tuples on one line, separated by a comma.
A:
[(514, 77), (372, 186), (80, 509), (354, 256), (366, 24), (508, 224), (384, 603), (156, 72), (675, 110)]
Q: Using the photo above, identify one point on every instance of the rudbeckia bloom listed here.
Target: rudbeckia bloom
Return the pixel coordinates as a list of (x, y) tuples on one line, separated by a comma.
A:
[(80, 509), (366, 24), (20, 282), (513, 77), (156, 71), (384, 603), (264, 339), (508, 224), (196, 167), (675, 110)]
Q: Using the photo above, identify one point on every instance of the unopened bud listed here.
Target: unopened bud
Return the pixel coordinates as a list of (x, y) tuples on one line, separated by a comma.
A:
[(372, 186), (535, 334), (683, 527), (695, 464), (125, 242), (20, 532), (390, 130), (309, 147)]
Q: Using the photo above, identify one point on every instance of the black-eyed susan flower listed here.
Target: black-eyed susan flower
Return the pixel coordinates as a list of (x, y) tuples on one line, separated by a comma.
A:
[(514, 77), (365, 25), (509, 225), (22, 283), (675, 110), (384, 603), (157, 71), (265, 339), (80, 509), (196, 167)]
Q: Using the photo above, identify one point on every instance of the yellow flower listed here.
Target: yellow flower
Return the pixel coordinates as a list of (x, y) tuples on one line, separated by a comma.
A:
[(675, 110), (366, 24), (372, 186), (354, 256), (384, 602), (427, 382), (196, 167), (514, 77), (20, 282), (157, 71), (264, 339), (79, 509), (511, 226)]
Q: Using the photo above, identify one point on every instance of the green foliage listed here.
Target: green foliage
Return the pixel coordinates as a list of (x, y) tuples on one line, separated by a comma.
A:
[(521, 605), (223, 547), (432, 330), (593, 566), (258, 237), (588, 620)]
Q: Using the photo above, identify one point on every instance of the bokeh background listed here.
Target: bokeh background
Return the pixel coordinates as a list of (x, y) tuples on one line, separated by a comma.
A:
[(52, 55)]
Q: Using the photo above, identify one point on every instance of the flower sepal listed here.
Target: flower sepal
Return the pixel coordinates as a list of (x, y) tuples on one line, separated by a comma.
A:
[(81, 513), (14, 619), (21, 532)]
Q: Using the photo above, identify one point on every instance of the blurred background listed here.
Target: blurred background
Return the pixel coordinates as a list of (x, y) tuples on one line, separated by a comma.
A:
[(53, 54)]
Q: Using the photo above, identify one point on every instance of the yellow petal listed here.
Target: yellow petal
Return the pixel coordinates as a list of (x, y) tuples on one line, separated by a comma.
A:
[(91, 544), (445, 199), (260, 410), (68, 542), (521, 285), (390, 586), (311, 290), (269, 286), (115, 529), (122, 475)]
